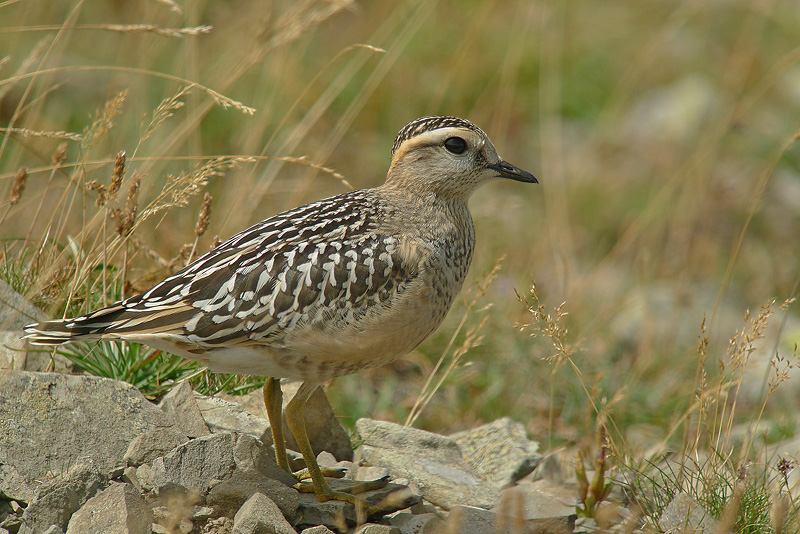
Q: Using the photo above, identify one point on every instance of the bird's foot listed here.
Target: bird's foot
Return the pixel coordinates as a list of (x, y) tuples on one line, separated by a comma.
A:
[(331, 472), (346, 493)]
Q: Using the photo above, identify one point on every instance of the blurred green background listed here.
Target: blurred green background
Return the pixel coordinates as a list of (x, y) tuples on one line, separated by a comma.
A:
[(662, 133)]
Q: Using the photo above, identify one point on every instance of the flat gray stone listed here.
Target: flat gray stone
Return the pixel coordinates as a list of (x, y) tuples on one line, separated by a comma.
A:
[(319, 529), (433, 463), (684, 514), (368, 474), (472, 520), (67, 418), (545, 506), (373, 528), (259, 515), (117, 510), (181, 403), (224, 416), (229, 495), (500, 452), (409, 523), (151, 444), (383, 501)]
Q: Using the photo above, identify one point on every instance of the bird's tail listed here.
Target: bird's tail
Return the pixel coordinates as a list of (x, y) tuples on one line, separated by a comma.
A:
[(86, 328)]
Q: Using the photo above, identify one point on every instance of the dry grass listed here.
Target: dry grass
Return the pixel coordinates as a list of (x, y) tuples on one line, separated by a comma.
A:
[(663, 134)]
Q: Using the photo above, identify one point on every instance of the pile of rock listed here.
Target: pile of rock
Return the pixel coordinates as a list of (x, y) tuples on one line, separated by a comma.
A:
[(82, 454)]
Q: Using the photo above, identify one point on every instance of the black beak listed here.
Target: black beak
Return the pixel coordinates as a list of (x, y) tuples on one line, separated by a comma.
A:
[(506, 170)]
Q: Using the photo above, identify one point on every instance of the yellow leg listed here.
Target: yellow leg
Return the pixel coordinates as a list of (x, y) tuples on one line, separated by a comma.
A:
[(296, 422), (273, 400)]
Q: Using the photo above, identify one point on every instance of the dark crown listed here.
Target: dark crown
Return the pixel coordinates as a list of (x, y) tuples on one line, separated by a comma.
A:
[(426, 124)]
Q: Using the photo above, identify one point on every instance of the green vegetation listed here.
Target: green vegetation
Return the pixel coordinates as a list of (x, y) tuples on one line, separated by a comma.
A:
[(664, 137)]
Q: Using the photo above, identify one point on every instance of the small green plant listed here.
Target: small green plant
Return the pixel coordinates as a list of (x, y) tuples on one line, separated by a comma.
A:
[(149, 370), (592, 494), (152, 371)]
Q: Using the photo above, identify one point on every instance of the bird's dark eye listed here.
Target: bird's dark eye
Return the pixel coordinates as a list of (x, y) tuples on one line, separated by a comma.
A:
[(455, 145)]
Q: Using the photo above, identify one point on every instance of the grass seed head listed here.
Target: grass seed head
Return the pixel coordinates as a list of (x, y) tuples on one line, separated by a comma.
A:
[(19, 185), (126, 218), (205, 215), (96, 186), (116, 177), (60, 155)]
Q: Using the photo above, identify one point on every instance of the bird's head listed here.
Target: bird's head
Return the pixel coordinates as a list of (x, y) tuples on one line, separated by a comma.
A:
[(447, 156)]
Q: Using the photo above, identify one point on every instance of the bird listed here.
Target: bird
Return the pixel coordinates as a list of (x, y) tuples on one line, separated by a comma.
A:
[(347, 283)]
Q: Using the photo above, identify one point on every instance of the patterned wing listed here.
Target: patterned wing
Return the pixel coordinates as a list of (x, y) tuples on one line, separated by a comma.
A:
[(322, 262)]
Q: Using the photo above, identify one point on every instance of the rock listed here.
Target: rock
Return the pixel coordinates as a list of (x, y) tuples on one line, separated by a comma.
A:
[(229, 468), (252, 402), (59, 498), (323, 428), (181, 403), (203, 512), (684, 514), (15, 353), (230, 494), (151, 444), (223, 416), (85, 479), (196, 463), (144, 475), (66, 418), (10, 516), (545, 506), (586, 525), (259, 515), (409, 523), (472, 520), (117, 510), (54, 505), (500, 452), (252, 458), (382, 501), (13, 485), (129, 476), (372, 528), (368, 474), (433, 463), (319, 529)]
